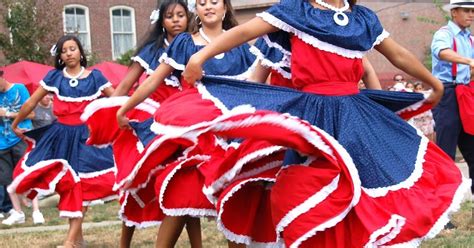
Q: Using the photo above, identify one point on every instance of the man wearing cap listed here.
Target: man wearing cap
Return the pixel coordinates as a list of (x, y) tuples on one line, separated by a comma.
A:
[(12, 148), (452, 52)]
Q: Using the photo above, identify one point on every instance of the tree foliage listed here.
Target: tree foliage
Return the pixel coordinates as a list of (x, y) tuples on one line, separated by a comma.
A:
[(439, 6), (32, 26)]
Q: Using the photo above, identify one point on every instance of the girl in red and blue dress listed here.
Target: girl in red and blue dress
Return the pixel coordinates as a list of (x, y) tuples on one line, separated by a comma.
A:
[(58, 159), (213, 18), (168, 20), (319, 165)]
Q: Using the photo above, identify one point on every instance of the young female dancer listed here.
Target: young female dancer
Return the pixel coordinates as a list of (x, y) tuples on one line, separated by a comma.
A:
[(58, 158), (354, 174), (213, 18), (170, 19)]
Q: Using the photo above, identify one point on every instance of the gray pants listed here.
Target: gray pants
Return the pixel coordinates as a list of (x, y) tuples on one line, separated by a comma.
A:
[(8, 160)]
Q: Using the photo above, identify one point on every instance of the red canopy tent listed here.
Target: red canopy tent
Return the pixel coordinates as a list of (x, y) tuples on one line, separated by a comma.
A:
[(113, 72), (27, 73)]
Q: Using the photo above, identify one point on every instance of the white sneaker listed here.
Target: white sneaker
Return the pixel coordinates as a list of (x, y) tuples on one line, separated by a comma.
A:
[(2, 216), (37, 217), (14, 218)]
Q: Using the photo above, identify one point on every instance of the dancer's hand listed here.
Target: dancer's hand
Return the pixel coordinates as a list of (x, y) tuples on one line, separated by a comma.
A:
[(193, 71), (122, 120), (435, 96), (18, 131)]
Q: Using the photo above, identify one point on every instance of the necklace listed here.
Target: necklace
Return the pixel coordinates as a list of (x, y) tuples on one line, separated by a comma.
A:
[(204, 36), (166, 42), (340, 18), (73, 82)]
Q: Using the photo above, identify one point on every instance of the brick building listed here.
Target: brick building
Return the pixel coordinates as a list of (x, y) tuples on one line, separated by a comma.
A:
[(110, 27)]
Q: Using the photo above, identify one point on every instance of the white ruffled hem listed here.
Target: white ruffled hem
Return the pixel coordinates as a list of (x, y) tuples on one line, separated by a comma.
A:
[(390, 231), (443, 219), (412, 107), (309, 203), (278, 67), (230, 175), (143, 64), (173, 81), (75, 99), (169, 61), (97, 173), (239, 238), (69, 214), (148, 105), (194, 212), (412, 179), (311, 40), (129, 223), (99, 201)]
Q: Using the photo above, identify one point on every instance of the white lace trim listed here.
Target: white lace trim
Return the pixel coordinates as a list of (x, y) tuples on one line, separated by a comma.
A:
[(206, 95), (256, 171), (443, 219), (139, 225), (69, 214), (99, 201), (412, 107), (173, 81), (170, 61), (311, 40), (97, 173), (195, 212), (41, 165), (75, 99), (309, 203), (277, 46), (148, 105), (230, 175), (412, 179), (354, 174), (238, 238), (269, 64), (143, 64), (129, 223), (177, 131), (390, 231)]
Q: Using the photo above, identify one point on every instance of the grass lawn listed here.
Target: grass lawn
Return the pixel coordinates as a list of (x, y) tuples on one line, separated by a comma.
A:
[(462, 237)]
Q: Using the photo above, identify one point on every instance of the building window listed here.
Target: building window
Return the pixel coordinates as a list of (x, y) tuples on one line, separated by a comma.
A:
[(123, 30), (76, 22)]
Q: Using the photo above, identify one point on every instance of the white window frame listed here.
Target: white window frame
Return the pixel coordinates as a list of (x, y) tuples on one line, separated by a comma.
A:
[(134, 32), (88, 46)]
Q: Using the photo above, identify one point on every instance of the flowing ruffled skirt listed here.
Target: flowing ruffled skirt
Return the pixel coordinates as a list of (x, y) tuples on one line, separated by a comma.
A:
[(298, 168), (58, 160)]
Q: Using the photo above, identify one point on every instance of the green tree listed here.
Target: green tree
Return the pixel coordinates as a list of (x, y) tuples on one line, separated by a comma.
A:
[(439, 6), (126, 58), (32, 26)]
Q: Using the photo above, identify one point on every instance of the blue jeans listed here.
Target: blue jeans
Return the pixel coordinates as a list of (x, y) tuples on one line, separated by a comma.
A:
[(5, 203)]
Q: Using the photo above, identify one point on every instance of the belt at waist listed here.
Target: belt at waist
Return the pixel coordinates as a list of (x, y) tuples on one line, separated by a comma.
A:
[(332, 88), (72, 119), (451, 84)]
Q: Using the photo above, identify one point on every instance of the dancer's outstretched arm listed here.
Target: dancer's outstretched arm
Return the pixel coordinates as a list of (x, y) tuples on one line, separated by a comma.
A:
[(407, 62)]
